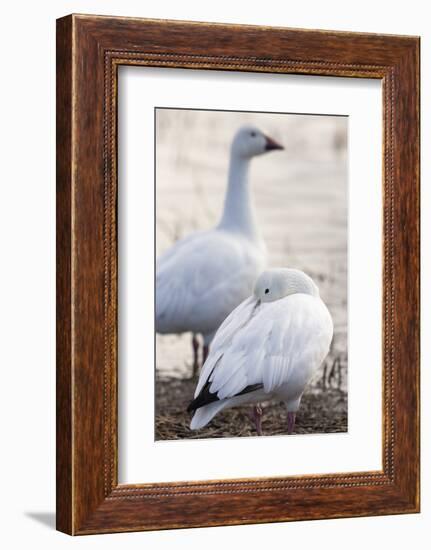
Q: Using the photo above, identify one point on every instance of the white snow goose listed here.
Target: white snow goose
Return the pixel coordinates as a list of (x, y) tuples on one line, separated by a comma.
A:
[(204, 276), (269, 347)]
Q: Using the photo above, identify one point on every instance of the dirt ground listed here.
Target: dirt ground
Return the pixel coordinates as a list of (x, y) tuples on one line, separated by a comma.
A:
[(322, 410)]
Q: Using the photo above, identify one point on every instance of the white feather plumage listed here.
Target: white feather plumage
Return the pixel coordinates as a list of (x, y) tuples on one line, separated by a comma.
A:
[(276, 344), (202, 279)]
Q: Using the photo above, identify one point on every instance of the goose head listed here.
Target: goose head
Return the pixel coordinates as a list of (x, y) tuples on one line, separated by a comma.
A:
[(249, 142), (275, 284)]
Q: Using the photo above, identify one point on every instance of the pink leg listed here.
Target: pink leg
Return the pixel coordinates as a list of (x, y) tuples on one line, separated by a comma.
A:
[(257, 417), (291, 416), (195, 345)]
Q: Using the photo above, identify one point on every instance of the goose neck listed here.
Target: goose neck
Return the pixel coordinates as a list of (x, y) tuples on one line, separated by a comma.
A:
[(238, 212)]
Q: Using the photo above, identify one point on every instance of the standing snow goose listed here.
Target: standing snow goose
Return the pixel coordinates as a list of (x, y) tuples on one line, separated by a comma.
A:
[(268, 348), (204, 276)]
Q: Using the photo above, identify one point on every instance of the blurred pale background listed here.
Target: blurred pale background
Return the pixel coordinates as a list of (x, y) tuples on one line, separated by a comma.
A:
[(300, 196)]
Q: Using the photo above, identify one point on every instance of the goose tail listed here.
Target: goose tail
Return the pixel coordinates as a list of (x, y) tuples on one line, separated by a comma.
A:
[(206, 413)]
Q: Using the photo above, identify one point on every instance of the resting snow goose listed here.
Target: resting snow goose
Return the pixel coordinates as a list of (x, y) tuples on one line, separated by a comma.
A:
[(269, 347), (204, 276)]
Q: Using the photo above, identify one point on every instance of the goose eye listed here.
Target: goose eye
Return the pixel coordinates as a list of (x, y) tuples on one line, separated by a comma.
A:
[(253, 134), (266, 290)]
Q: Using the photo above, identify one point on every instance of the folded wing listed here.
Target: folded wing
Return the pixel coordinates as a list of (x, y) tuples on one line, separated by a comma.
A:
[(267, 346)]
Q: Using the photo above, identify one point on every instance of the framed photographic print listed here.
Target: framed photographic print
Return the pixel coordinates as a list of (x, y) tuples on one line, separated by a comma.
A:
[(237, 274)]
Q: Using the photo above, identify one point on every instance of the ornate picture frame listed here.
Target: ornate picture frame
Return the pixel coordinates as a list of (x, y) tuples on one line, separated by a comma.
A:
[(89, 51)]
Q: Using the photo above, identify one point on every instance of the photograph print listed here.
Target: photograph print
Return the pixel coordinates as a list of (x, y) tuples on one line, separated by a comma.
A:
[(251, 274)]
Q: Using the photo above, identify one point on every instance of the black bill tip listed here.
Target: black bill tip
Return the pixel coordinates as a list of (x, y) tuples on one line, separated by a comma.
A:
[(272, 145)]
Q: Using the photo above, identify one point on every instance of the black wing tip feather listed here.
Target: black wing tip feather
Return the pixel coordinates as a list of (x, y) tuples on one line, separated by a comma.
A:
[(205, 397)]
